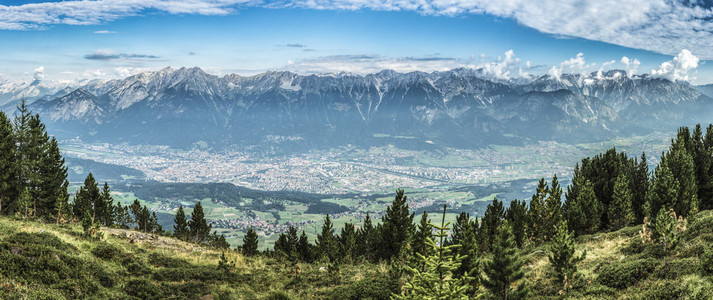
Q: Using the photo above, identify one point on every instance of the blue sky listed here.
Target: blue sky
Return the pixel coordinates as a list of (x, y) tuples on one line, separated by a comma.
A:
[(112, 39)]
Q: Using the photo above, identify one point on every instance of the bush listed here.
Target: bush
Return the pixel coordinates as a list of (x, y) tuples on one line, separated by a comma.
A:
[(143, 289), (279, 296), (377, 288), (678, 268), (707, 262), (163, 261), (45, 239), (106, 251), (206, 274), (663, 289), (624, 274)]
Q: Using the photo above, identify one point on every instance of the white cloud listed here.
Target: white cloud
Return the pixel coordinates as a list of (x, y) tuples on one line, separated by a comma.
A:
[(575, 64), (664, 26), (678, 67), (630, 65), (104, 32), (39, 73), (502, 68)]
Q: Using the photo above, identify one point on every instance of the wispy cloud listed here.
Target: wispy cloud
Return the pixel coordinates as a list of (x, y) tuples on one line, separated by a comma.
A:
[(111, 55), (664, 26), (296, 45), (104, 32)]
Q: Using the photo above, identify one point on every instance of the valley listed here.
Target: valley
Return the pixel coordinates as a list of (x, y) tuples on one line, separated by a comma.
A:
[(243, 188)]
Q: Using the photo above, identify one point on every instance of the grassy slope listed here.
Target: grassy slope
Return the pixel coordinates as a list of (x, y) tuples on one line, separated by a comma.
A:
[(46, 261)]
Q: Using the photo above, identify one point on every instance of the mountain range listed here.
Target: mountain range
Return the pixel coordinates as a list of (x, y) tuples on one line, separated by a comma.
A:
[(460, 107)]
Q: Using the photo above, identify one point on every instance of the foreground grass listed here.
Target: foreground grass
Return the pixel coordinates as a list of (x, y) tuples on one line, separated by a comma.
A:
[(47, 261)]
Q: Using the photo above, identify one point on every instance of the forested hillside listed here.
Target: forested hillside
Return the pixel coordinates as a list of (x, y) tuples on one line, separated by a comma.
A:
[(619, 230)]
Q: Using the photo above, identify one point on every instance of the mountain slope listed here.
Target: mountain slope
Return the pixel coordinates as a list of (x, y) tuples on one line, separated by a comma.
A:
[(460, 108)]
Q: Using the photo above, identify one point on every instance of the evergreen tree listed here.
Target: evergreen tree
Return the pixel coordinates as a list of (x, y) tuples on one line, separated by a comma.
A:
[(53, 181), (538, 215), (680, 162), (489, 224), (326, 242), (8, 168), (398, 227), (26, 203), (553, 206), (199, 229), (458, 228), (583, 212), (23, 165), (423, 233), (122, 217), (135, 209), (304, 248), (562, 258), (620, 212), (702, 162), (640, 184), (347, 243), (705, 191), (435, 280), (88, 198), (107, 206), (665, 230), (180, 229), (37, 148), (367, 238), (503, 271), (250, 243), (662, 192), (469, 270), (516, 215)]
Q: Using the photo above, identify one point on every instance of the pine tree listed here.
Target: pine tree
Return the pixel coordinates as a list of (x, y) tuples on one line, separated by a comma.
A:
[(503, 271), (620, 212), (367, 239), (26, 203), (469, 270), (135, 209), (107, 205), (8, 168), (88, 198), (435, 280), (537, 216), (640, 184), (553, 207), (665, 230), (702, 161), (304, 248), (489, 224), (423, 233), (53, 183), (250, 243), (37, 148), (398, 227), (662, 192), (198, 227), (680, 162), (347, 243), (706, 189), (458, 228), (24, 166), (516, 215), (562, 258), (180, 229), (122, 216), (583, 213), (326, 242)]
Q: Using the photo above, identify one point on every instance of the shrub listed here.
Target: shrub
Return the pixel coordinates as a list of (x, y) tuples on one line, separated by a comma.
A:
[(707, 261), (163, 261), (206, 274), (377, 288), (106, 251), (624, 274), (279, 296), (143, 289), (45, 239), (663, 289)]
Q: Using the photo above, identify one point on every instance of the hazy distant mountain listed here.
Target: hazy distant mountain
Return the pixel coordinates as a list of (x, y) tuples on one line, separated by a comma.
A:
[(459, 107)]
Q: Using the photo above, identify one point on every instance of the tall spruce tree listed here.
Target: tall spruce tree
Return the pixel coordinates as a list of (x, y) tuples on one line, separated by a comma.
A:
[(87, 198), (180, 229), (620, 212), (553, 205), (23, 165), (469, 269), (538, 214), (37, 148), (640, 184), (54, 183), (516, 215), (680, 162), (423, 233), (107, 206), (304, 248), (199, 229), (8, 167), (398, 227), (662, 192), (489, 224), (503, 271), (347, 243), (562, 258), (367, 239), (706, 190), (326, 242), (583, 212), (250, 243)]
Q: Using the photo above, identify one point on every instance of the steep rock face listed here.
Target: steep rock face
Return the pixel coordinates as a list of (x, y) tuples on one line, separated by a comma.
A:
[(458, 107)]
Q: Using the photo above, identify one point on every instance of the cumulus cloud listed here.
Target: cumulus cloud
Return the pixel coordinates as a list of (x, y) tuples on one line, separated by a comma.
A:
[(677, 68), (112, 55), (364, 63), (575, 64), (39, 73), (664, 26), (630, 65), (503, 67)]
